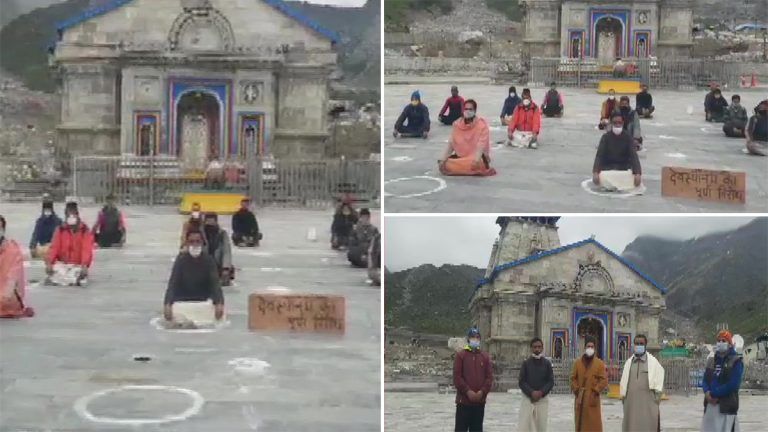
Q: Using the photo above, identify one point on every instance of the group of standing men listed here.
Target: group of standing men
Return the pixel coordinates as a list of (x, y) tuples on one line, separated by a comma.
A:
[(640, 388)]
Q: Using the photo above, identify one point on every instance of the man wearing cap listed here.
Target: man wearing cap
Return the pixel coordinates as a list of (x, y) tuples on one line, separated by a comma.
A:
[(45, 226), (360, 240), (245, 227), (12, 280), (721, 383), (109, 230), (71, 252), (641, 386), (553, 102), (414, 120), (219, 248), (452, 109), (473, 378)]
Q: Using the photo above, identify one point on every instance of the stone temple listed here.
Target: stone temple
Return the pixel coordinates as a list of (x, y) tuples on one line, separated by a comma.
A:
[(605, 29), (194, 79), (536, 287)]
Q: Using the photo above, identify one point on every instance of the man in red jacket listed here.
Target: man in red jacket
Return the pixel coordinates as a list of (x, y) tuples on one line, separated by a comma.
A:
[(524, 128), (71, 252), (472, 377)]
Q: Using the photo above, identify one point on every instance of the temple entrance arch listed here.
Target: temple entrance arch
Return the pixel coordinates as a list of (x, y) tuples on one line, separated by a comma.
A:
[(592, 326), (199, 120), (609, 39)]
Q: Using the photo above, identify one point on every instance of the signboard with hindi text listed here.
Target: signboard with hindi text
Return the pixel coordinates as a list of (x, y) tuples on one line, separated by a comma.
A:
[(704, 185), (296, 313)]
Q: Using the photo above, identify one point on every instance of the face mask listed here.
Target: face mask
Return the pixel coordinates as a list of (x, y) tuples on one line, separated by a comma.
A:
[(617, 130), (196, 214), (589, 352), (474, 344), (639, 350), (71, 220), (468, 114), (47, 213), (734, 103), (195, 251), (513, 94), (722, 347), (717, 96), (537, 356), (526, 102), (612, 97)]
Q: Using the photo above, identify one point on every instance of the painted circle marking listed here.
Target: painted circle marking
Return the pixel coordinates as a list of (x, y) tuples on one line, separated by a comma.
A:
[(81, 406), (402, 159), (588, 186), (278, 289), (157, 323), (441, 184)]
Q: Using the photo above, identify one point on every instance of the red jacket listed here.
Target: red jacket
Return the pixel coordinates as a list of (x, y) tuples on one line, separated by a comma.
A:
[(71, 247), (526, 120), (472, 370)]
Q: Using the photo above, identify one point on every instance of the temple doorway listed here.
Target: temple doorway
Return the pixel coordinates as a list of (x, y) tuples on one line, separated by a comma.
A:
[(609, 36), (591, 327), (198, 129)]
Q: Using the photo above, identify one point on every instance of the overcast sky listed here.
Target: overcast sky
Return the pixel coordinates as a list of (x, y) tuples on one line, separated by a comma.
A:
[(412, 241)]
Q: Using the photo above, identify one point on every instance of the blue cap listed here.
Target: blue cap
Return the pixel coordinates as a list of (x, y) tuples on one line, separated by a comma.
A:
[(416, 95), (473, 332)]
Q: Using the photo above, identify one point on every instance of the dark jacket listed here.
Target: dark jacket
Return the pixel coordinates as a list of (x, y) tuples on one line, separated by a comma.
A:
[(722, 379), (342, 225), (510, 103), (736, 114), (643, 100), (758, 127), (472, 370), (716, 106), (616, 152), (536, 374), (45, 227), (194, 279), (244, 223), (416, 116)]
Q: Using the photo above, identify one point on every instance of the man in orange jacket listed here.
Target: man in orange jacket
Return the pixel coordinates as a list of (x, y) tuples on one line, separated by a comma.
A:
[(71, 252), (524, 128)]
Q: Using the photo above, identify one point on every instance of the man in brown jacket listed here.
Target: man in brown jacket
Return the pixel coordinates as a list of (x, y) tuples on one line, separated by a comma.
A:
[(472, 377)]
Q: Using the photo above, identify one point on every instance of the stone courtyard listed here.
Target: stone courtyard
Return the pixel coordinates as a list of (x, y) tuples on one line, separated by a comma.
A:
[(405, 412), (550, 179), (64, 365)]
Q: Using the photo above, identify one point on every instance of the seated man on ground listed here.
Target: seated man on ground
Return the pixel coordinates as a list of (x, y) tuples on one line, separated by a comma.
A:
[(344, 221), (451, 110), (553, 102), (631, 122), (374, 262), (110, 225), (616, 167), (194, 223), (735, 119), (524, 129), (757, 131), (71, 252), (360, 241), (644, 102), (469, 149), (414, 120), (194, 295), (609, 106), (510, 103), (12, 280), (42, 235), (245, 228), (219, 248), (716, 107)]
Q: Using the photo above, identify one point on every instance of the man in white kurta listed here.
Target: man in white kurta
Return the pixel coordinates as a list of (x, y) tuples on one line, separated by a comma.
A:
[(642, 383)]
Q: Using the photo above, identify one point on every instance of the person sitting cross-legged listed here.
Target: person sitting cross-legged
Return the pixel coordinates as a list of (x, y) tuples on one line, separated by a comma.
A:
[(552, 106), (757, 131), (45, 227), (616, 167), (735, 119), (245, 227), (716, 106), (469, 151), (71, 253), (644, 103), (344, 221), (12, 280), (374, 260), (109, 230), (525, 126), (193, 297), (414, 120), (219, 248), (360, 240), (606, 109), (631, 122), (452, 108)]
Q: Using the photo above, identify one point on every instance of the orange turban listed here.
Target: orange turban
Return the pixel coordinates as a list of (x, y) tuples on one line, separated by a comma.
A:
[(727, 335)]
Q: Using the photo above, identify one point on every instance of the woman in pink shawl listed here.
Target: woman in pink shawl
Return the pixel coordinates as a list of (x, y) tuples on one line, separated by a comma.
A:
[(469, 149), (11, 278)]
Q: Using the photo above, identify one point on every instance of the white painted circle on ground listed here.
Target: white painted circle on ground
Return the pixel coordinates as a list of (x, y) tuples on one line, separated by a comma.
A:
[(271, 269), (249, 366), (711, 131), (402, 146), (675, 155), (441, 184), (278, 289), (402, 159), (667, 137), (81, 406), (588, 186), (157, 323)]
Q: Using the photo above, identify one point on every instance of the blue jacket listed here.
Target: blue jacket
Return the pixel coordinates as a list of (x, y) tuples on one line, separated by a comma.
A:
[(44, 229), (510, 103), (727, 388)]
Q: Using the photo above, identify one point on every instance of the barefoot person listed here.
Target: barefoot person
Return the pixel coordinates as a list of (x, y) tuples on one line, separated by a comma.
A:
[(616, 165), (587, 382), (71, 252), (469, 149), (12, 280), (414, 120)]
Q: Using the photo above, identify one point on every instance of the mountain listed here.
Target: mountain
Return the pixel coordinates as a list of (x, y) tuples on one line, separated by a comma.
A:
[(23, 41), (430, 299), (717, 278)]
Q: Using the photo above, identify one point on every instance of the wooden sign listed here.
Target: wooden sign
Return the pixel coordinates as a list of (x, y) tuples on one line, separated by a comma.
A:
[(296, 313), (704, 185)]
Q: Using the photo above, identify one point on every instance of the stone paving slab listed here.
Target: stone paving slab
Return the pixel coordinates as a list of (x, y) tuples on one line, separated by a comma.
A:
[(83, 340), (549, 179)]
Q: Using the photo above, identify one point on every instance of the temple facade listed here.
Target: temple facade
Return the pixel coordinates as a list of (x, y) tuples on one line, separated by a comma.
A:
[(535, 287), (194, 80), (605, 30)]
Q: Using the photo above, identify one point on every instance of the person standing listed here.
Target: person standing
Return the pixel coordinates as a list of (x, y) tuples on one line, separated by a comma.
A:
[(642, 383), (536, 381), (472, 377), (587, 382), (721, 383)]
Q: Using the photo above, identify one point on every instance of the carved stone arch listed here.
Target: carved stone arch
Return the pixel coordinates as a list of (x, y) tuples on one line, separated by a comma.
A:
[(201, 28), (594, 277)]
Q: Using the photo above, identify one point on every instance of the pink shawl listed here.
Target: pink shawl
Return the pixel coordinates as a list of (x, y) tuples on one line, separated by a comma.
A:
[(467, 138), (11, 278)]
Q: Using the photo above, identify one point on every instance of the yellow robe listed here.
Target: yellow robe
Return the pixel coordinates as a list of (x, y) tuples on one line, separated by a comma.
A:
[(587, 382)]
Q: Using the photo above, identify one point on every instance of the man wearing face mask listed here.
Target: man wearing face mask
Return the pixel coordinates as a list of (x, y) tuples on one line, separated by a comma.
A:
[(194, 288), (553, 102), (414, 120), (510, 103), (587, 382), (360, 240), (195, 222), (452, 108), (716, 107), (757, 131), (219, 248), (42, 235), (71, 252), (245, 228), (344, 221), (721, 383), (608, 107), (536, 381), (469, 150), (616, 156), (735, 119), (644, 102), (472, 378), (641, 386), (12, 280), (631, 122), (524, 128)]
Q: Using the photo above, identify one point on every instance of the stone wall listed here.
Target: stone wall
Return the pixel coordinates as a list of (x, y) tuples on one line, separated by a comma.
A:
[(439, 65)]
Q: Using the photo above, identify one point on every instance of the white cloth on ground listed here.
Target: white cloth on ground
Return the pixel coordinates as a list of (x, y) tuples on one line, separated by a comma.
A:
[(715, 421), (521, 139), (65, 274), (617, 180), (201, 314), (533, 415)]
